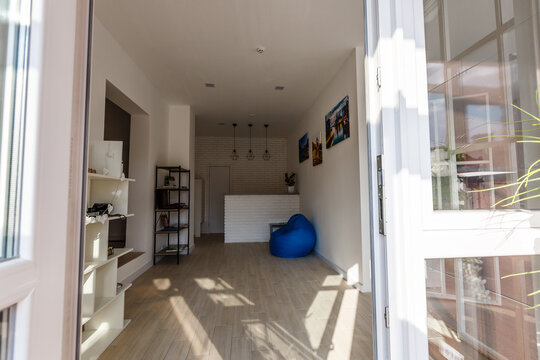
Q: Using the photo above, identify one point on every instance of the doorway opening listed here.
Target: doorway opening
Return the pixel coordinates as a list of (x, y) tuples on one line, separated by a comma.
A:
[(298, 113)]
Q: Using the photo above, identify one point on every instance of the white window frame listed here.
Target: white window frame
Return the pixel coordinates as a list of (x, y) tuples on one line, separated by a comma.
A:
[(414, 231), (43, 280)]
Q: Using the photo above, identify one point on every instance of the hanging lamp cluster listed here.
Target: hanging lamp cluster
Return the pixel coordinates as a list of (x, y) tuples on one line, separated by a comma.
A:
[(250, 155)]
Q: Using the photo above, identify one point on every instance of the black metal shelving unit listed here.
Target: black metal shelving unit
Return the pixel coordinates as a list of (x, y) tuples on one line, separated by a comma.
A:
[(162, 205)]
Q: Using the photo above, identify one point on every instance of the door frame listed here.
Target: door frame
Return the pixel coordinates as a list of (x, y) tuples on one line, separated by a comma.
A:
[(209, 192), (379, 277), (43, 280)]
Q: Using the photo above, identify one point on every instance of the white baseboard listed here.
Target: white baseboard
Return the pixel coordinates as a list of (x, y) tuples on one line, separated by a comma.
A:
[(343, 273)]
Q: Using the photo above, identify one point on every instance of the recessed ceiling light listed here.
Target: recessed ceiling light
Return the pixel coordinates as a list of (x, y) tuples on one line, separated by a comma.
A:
[(260, 50), (279, 88), (210, 85)]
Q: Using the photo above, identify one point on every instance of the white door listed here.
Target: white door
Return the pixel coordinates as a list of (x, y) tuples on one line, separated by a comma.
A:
[(218, 187), (40, 161), (459, 113)]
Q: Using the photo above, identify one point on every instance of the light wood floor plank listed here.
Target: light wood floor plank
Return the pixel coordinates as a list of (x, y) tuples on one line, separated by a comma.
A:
[(236, 301)]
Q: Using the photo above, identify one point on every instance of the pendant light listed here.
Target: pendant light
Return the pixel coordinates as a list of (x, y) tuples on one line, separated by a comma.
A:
[(266, 155), (234, 154), (250, 155)]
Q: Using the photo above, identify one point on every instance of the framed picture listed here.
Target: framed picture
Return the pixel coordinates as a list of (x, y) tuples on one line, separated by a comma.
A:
[(303, 148), (316, 150), (337, 123)]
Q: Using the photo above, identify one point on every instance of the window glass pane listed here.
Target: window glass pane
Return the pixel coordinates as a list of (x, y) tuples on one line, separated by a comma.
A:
[(6, 332), (507, 10), (13, 55), (466, 26), (484, 114), (484, 308)]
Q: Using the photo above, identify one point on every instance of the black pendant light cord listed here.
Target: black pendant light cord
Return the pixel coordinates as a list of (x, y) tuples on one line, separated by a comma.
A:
[(266, 155)]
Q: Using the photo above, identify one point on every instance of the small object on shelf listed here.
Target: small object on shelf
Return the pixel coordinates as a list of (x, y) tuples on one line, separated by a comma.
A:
[(170, 181), (119, 286), (92, 171), (110, 251), (99, 209), (171, 249), (164, 220)]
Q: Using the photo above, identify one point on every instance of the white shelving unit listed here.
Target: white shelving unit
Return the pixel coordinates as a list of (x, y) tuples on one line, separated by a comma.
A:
[(102, 302)]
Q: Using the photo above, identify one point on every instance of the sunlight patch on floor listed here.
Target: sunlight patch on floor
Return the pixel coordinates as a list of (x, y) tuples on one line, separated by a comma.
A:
[(226, 299), (162, 284), (342, 339), (318, 314), (206, 283), (332, 280)]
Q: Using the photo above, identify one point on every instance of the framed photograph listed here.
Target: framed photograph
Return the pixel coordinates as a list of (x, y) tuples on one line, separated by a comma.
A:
[(316, 150), (337, 123), (303, 148)]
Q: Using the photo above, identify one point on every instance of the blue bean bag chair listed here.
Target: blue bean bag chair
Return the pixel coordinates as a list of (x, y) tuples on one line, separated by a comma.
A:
[(296, 239)]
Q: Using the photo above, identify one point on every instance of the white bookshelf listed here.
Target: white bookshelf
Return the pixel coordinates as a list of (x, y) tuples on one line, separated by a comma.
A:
[(102, 309)]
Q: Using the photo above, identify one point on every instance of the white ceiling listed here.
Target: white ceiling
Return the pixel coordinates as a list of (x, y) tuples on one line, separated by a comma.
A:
[(183, 44)]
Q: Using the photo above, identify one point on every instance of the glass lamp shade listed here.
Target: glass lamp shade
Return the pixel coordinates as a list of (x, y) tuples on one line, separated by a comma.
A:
[(234, 155), (266, 155), (250, 155)]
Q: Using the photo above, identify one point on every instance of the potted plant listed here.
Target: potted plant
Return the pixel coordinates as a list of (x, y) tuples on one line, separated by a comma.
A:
[(290, 180)]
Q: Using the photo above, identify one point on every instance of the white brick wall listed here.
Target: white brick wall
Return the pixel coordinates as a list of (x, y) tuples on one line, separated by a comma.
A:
[(247, 217), (247, 177)]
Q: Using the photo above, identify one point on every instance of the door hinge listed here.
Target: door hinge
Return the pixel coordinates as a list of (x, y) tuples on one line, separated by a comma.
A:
[(387, 316), (380, 194), (379, 80)]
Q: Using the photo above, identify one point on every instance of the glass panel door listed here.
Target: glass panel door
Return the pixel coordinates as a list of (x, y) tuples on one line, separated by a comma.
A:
[(483, 77)]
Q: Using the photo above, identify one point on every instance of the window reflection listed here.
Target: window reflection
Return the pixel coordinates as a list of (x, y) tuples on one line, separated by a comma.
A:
[(483, 64), (484, 308), (6, 333)]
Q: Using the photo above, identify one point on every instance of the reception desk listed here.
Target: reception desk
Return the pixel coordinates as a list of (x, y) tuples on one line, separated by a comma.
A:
[(247, 217)]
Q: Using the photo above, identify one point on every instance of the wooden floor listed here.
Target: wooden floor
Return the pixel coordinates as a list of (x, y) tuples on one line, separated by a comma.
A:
[(236, 301)]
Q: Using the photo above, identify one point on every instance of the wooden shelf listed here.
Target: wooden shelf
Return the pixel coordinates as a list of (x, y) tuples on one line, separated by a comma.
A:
[(94, 342), (103, 305), (172, 231), (180, 207), (102, 302), (92, 176), (172, 168), (172, 188), (124, 259), (91, 265), (173, 210), (170, 253)]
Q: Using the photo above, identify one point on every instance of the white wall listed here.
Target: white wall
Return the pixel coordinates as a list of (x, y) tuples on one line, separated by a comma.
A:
[(334, 195), (181, 151), (247, 176), (149, 129)]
